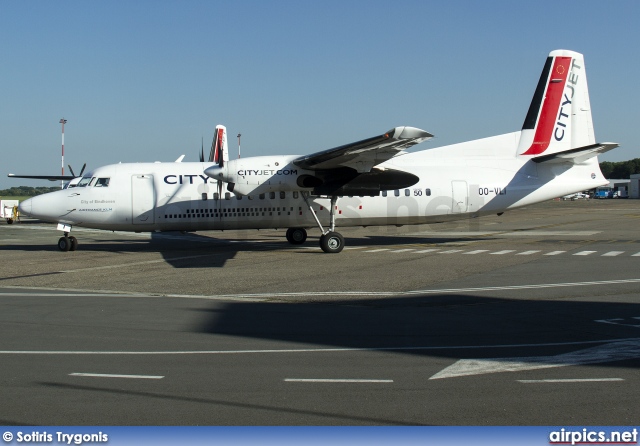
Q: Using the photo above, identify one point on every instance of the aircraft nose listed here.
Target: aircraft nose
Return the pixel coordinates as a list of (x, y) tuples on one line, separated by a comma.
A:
[(25, 207)]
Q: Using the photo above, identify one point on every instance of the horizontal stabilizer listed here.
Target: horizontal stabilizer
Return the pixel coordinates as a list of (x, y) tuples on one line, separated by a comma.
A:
[(576, 156)]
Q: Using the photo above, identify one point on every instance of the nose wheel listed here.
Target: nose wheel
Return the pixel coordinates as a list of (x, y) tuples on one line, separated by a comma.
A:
[(67, 243)]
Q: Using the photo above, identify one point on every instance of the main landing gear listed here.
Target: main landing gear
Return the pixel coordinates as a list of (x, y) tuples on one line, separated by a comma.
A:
[(330, 241), (67, 243)]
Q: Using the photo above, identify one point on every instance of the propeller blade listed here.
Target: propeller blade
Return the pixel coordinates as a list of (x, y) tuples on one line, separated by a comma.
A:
[(82, 170), (71, 170), (202, 151)]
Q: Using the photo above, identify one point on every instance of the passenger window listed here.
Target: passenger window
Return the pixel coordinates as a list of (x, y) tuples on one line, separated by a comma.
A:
[(282, 195), (407, 193), (295, 194), (227, 196), (204, 196), (261, 196), (216, 196), (102, 182), (427, 192), (396, 193), (272, 195), (384, 193)]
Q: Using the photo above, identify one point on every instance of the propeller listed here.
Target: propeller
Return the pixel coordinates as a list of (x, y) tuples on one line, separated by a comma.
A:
[(202, 151), (81, 170)]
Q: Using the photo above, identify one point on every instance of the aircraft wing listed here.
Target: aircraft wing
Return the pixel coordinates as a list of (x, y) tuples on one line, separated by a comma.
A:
[(578, 155), (44, 177), (363, 155)]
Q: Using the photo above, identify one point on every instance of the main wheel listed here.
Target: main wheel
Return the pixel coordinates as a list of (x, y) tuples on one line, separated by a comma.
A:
[(332, 242), (296, 236), (74, 243), (9, 221), (64, 244)]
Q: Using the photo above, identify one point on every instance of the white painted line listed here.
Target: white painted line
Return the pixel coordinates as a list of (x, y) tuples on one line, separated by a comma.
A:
[(554, 253), (316, 380), (404, 250), (355, 247), (527, 253), (584, 253), (612, 253), (636, 254), (505, 251), (310, 350), (275, 295), (425, 250), (612, 351), (585, 380), (477, 251), (105, 375), (450, 251), (377, 250)]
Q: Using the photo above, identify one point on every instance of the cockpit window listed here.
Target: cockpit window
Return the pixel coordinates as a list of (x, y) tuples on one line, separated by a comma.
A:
[(84, 181), (93, 180), (102, 182)]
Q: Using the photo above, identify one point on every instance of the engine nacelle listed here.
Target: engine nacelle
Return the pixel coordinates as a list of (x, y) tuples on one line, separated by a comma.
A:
[(259, 174)]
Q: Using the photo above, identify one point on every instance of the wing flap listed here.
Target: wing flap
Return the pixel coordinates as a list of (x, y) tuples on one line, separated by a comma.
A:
[(363, 155)]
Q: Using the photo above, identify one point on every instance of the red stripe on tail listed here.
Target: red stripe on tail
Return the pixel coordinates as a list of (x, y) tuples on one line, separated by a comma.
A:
[(548, 115)]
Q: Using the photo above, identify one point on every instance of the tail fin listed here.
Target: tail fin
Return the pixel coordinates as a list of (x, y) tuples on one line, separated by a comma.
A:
[(559, 116), (219, 150)]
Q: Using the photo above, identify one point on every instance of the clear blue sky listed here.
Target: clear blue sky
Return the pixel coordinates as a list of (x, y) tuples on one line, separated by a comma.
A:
[(146, 80)]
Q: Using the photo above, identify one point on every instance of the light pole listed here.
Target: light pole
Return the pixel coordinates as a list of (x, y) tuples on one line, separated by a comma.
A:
[(63, 122), (239, 135)]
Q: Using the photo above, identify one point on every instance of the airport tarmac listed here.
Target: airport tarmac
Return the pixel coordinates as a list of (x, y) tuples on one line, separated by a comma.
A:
[(529, 318)]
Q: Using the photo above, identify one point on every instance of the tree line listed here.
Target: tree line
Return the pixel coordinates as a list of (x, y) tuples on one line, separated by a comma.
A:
[(26, 191), (621, 169)]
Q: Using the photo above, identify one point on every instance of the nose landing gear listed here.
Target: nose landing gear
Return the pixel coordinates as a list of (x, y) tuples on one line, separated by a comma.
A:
[(67, 243)]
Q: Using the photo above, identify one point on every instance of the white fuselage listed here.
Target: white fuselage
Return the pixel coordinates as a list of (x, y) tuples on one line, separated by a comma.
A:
[(459, 181)]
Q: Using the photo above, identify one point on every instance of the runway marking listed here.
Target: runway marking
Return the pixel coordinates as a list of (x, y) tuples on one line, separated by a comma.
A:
[(450, 251), (504, 251), (570, 380), (554, 253), (584, 253), (425, 250), (314, 350), (105, 375), (477, 251), (527, 253), (612, 253), (265, 296), (378, 250), (403, 250), (322, 380), (636, 254), (613, 351)]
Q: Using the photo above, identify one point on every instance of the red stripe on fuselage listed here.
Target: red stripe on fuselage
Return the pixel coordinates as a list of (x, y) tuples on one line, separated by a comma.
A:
[(549, 113)]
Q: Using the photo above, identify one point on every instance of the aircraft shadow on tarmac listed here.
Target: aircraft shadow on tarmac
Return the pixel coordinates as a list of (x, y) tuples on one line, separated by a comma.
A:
[(528, 331), (192, 250)]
